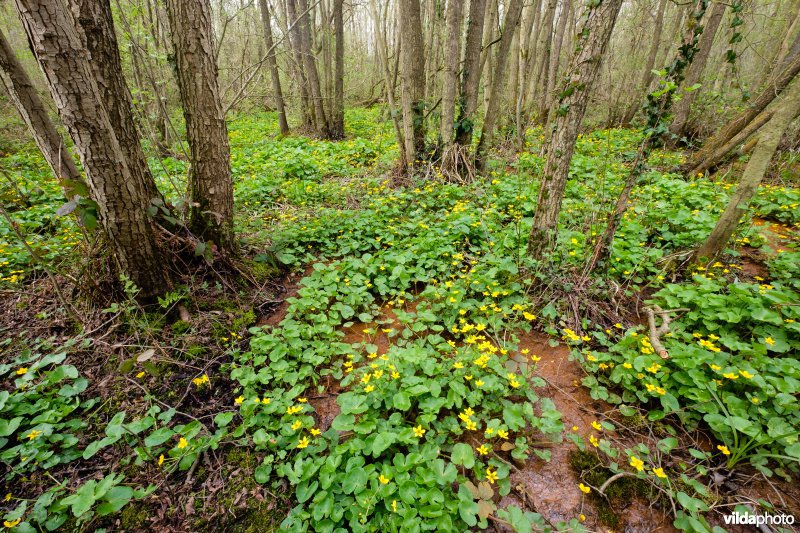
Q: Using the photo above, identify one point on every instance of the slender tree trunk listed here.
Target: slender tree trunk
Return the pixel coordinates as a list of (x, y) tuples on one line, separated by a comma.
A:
[(413, 78), (43, 131), (757, 166), (451, 67), (337, 114), (647, 72), (510, 23), (695, 70), (272, 63), (556, 55), (471, 74), (543, 49), (388, 81), (310, 67), (489, 47), (94, 17), (702, 160), (121, 200), (293, 30), (566, 120), (210, 183)]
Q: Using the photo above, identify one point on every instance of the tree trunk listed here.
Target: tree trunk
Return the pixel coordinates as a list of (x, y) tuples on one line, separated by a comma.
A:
[(647, 72), (292, 28), (94, 17), (43, 131), (702, 160), (310, 68), (388, 81), (413, 78), (272, 63), (556, 55), (471, 74), (337, 114), (566, 119), (451, 66), (695, 70), (543, 67), (121, 200), (510, 23), (210, 183), (768, 140)]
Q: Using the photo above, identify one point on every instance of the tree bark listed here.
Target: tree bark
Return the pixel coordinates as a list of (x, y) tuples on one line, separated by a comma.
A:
[(413, 78), (695, 70), (471, 74), (33, 112), (702, 160), (556, 55), (310, 68), (566, 120), (210, 182), (97, 22), (543, 49), (451, 66), (510, 23), (768, 141), (121, 200), (388, 80), (272, 63), (337, 114)]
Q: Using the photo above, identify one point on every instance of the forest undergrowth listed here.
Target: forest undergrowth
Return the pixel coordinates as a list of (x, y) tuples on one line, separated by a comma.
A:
[(374, 370)]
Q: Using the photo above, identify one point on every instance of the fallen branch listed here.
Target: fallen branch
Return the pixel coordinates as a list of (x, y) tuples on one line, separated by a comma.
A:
[(657, 332)]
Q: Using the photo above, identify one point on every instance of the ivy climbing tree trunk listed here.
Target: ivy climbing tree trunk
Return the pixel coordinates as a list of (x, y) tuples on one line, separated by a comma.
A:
[(510, 23), (272, 63), (657, 109), (566, 120), (210, 184), (121, 200), (32, 110), (413, 79), (769, 137), (695, 70), (471, 74)]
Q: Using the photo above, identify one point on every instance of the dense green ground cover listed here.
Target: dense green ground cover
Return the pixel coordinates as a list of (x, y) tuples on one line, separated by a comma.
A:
[(429, 425)]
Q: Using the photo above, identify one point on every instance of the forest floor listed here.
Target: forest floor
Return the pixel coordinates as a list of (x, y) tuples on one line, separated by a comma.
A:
[(385, 357)]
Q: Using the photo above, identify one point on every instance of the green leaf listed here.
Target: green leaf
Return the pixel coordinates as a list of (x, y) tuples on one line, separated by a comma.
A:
[(354, 481), (463, 455), (159, 436)]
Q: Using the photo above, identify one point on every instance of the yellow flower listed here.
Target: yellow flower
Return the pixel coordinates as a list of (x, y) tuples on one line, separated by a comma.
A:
[(491, 476), (293, 410), (239, 400), (730, 375), (627, 365), (596, 425), (768, 340), (584, 488), (266, 401), (315, 431), (302, 400), (482, 449), (202, 380), (7, 498), (140, 375), (514, 384), (303, 443), (419, 431), (582, 517), (745, 374), (369, 388), (12, 523), (394, 506), (33, 434), (297, 425), (161, 459), (637, 463), (22, 370), (574, 428), (593, 440), (395, 375), (659, 472), (502, 433), (479, 383), (724, 449), (383, 479), (182, 443)]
